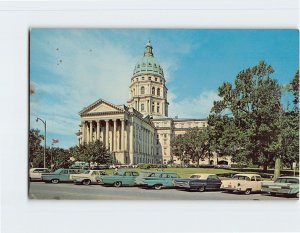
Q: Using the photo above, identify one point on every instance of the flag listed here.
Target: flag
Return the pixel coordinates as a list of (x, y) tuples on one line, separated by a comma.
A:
[(55, 140)]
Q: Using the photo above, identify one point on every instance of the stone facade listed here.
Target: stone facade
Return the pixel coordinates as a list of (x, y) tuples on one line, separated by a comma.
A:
[(142, 131)]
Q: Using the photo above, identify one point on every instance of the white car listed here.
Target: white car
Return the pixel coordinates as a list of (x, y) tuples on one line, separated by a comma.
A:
[(36, 173), (246, 183), (87, 177)]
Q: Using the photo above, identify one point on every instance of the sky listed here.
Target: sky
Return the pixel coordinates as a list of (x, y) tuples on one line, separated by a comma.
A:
[(72, 68)]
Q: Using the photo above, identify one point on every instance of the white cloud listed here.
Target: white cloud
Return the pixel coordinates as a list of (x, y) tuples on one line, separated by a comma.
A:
[(198, 107), (82, 72)]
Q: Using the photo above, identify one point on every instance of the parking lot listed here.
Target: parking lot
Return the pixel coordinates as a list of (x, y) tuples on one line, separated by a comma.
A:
[(69, 191)]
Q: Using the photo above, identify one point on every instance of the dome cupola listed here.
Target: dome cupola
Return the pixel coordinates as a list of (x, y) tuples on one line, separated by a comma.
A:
[(148, 63)]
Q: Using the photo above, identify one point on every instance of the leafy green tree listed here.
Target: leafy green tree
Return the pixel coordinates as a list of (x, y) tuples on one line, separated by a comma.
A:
[(254, 105), (35, 150), (192, 146), (92, 152)]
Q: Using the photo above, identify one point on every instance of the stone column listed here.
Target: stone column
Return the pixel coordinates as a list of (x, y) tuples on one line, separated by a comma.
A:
[(102, 133), (126, 137), (115, 136), (83, 132), (131, 149), (91, 132), (122, 134), (98, 130), (106, 133)]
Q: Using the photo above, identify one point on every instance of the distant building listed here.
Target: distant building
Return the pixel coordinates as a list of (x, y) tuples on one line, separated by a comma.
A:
[(140, 132)]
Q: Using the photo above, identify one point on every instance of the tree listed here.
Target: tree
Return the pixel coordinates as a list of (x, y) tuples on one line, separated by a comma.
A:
[(35, 150), (254, 105), (92, 152), (192, 146)]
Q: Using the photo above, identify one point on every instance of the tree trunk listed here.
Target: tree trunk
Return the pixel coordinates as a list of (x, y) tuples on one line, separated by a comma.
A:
[(265, 168), (277, 168)]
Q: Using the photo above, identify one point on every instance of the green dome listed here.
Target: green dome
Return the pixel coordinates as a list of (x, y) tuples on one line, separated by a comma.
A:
[(148, 64)]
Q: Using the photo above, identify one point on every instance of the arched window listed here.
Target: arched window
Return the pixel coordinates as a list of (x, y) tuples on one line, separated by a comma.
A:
[(142, 90), (142, 107), (158, 91), (153, 90)]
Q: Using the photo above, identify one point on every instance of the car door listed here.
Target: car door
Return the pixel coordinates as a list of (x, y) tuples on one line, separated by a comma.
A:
[(258, 181), (93, 176), (64, 175), (213, 182), (170, 179)]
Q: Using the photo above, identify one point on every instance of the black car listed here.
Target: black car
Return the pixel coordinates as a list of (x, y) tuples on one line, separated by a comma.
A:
[(200, 182)]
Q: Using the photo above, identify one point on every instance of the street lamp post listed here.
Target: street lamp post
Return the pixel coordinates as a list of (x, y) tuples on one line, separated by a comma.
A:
[(45, 127)]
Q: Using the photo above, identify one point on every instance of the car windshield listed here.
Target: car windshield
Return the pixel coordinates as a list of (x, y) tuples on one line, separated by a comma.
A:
[(86, 172), (239, 177)]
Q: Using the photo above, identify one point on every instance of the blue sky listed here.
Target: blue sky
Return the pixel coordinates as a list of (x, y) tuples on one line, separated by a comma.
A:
[(72, 68)]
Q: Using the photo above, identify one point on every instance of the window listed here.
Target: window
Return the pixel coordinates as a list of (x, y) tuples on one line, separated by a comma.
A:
[(158, 91), (213, 178), (143, 78), (142, 107), (149, 78), (153, 90), (158, 107), (258, 178), (155, 79), (142, 90), (135, 174), (153, 107), (64, 172), (127, 174)]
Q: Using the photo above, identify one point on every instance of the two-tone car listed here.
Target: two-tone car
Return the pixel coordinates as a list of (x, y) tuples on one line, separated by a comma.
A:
[(160, 180), (60, 175), (200, 182), (36, 173), (121, 178), (139, 180), (87, 177), (244, 183), (285, 185)]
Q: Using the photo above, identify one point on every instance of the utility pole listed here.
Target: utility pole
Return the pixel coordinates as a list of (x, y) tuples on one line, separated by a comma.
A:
[(45, 139)]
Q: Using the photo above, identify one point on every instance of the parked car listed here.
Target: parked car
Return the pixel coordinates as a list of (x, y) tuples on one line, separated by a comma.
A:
[(142, 175), (36, 173), (122, 178), (87, 177), (60, 175), (288, 185), (159, 180), (245, 183), (200, 182)]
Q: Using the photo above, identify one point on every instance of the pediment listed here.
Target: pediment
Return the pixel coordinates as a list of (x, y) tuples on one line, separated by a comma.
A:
[(103, 107), (100, 106)]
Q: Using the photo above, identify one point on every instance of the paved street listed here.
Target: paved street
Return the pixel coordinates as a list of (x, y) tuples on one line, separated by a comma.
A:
[(64, 191)]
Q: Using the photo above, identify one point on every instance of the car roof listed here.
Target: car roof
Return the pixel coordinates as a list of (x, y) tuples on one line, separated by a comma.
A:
[(289, 177), (246, 174), (38, 168), (204, 175)]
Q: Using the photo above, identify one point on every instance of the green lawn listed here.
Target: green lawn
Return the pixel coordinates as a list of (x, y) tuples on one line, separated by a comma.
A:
[(183, 172)]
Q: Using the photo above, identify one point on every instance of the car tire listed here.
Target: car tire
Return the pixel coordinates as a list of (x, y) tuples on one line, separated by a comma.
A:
[(86, 182), (248, 191), (157, 186), (118, 184), (201, 188), (55, 181)]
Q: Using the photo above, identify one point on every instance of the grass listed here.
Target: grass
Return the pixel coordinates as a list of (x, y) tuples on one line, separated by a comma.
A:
[(182, 172)]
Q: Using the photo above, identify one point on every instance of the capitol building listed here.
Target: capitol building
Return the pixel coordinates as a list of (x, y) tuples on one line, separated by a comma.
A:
[(140, 131)]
